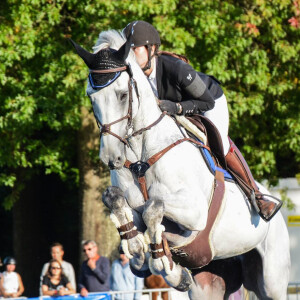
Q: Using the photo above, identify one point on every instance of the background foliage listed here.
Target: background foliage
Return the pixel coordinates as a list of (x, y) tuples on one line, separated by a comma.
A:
[(252, 47)]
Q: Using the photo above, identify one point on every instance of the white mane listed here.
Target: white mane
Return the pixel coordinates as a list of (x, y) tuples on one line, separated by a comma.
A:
[(111, 39)]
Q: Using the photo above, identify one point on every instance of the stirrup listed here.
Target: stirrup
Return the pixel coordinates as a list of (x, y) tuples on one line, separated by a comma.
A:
[(278, 204)]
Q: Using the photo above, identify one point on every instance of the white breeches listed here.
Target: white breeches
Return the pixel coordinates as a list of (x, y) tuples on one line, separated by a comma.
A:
[(219, 115)]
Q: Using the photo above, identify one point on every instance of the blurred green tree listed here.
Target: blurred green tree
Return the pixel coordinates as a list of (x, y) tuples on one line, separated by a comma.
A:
[(252, 47)]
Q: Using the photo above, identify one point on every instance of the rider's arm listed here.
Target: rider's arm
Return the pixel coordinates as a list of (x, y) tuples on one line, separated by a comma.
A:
[(195, 90), (201, 98), (21, 286)]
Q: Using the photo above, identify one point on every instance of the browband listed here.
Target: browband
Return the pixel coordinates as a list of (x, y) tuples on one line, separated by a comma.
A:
[(109, 70)]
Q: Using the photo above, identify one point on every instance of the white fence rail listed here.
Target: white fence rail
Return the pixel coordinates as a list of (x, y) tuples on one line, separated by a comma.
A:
[(293, 293), (148, 293)]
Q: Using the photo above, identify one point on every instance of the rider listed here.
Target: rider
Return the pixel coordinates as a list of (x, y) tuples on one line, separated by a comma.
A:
[(185, 92)]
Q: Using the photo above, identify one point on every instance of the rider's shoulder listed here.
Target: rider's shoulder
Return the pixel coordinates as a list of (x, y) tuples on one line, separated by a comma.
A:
[(172, 63), (168, 59), (171, 59)]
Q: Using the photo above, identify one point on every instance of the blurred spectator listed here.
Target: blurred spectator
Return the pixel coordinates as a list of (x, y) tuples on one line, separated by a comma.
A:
[(122, 279), (11, 285), (94, 274), (55, 282), (157, 282), (57, 252)]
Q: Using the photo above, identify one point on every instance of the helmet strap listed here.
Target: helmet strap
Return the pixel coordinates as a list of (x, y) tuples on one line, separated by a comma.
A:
[(148, 65)]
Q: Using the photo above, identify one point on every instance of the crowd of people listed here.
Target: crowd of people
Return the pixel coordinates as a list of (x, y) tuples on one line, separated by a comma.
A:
[(58, 276)]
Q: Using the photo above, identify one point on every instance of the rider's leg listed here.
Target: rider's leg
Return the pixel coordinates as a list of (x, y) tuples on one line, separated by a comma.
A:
[(239, 168), (236, 163), (220, 118)]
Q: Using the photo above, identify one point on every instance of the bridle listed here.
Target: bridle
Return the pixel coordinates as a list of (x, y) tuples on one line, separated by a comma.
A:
[(105, 129)]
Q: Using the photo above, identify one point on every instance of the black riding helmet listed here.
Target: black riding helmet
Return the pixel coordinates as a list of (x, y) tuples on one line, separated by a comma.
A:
[(143, 34), (9, 261)]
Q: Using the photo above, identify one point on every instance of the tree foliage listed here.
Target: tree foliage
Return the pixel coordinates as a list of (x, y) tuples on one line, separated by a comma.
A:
[(252, 47)]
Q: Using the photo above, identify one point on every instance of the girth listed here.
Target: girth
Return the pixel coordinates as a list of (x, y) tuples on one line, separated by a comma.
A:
[(200, 251)]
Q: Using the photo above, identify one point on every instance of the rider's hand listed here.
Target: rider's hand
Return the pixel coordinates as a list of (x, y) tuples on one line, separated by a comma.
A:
[(169, 106)]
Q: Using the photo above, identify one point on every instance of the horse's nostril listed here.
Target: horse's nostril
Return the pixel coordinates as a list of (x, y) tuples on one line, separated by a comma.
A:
[(119, 158), (111, 165)]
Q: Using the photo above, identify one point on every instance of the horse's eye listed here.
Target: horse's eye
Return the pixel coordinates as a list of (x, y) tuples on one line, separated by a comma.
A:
[(123, 97)]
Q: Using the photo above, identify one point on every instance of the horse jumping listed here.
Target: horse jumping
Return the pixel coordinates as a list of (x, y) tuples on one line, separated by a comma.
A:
[(175, 217)]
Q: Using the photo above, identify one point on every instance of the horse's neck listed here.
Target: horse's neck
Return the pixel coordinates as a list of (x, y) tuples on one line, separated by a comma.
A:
[(160, 135)]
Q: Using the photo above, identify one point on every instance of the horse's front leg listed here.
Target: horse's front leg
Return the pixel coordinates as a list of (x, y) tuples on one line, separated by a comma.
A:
[(161, 262), (126, 220)]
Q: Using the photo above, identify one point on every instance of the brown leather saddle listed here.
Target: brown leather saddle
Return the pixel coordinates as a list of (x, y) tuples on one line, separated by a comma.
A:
[(213, 136)]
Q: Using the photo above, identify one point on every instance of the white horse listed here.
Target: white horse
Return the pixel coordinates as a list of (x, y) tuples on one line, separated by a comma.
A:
[(178, 187)]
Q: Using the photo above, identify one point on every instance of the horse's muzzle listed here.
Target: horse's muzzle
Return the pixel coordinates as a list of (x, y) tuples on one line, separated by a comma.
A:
[(115, 164)]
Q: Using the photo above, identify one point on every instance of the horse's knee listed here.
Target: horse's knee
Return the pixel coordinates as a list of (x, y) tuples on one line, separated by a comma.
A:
[(121, 213), (113, 198), (153, 213)]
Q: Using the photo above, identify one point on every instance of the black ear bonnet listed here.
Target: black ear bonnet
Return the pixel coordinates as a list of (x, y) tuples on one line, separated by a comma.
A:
[(106, 59)]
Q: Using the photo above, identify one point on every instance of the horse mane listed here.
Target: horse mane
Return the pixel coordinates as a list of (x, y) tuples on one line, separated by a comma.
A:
[(111, 39)]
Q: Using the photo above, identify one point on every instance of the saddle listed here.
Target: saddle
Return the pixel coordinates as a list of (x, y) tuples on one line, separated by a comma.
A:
[(213, 137)]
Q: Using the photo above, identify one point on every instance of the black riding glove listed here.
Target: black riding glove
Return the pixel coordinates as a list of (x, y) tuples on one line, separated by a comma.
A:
[(189, 107), (169, 106)]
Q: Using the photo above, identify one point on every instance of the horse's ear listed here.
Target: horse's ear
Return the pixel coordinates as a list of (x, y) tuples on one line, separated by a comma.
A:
[(85, 55), (123, 52)]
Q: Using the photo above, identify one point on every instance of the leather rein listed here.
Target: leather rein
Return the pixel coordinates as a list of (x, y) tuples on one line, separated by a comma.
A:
[(138, 168)]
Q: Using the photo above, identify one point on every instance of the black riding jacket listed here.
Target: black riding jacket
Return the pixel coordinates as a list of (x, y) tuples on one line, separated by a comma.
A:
[(179, 82)]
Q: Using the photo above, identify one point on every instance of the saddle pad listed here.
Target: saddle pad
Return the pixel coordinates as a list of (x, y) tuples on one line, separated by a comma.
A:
[(200, 136), (212, 166), (192, 128)]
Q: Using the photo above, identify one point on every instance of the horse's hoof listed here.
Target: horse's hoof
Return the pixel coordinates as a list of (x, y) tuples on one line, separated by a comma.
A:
[(186, 281)]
